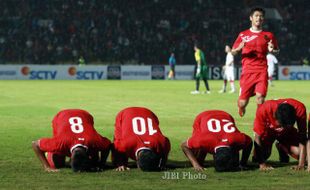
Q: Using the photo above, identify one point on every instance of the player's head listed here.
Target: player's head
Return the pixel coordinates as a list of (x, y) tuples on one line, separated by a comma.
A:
[(257, 15), (196, 46), (225, 159), (227, 48), (285, 115), (257, 9), (80, 160), (148, 160)]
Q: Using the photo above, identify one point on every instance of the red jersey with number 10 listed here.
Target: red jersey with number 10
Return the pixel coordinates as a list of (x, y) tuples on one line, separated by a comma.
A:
[(136, 128), (71, 128), (216, 128), (255, 50)]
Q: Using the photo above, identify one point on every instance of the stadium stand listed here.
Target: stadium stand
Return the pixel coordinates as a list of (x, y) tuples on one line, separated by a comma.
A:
[(139, 32)]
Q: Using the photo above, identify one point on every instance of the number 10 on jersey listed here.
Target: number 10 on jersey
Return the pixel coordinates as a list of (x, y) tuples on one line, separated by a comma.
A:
[(139, 126)]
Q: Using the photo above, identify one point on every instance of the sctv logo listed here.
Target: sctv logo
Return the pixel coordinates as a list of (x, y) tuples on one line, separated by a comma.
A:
[(85, 75), (38, 74)]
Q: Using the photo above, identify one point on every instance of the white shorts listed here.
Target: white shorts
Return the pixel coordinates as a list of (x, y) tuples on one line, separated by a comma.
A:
[(270, 70), (229, 72)]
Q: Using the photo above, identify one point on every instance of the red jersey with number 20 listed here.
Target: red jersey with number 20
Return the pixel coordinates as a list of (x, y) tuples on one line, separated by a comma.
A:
[(214, 129), (255, 50), (137, 128), (71, 128)]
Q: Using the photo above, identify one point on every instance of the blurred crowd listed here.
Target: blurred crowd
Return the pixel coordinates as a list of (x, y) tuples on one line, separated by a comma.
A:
[(139, 31)]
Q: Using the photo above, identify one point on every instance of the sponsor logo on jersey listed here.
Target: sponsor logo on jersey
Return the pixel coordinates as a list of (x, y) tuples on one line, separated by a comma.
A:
[(248, 38)]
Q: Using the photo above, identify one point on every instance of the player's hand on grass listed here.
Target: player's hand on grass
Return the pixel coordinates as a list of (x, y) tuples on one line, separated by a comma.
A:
[(122, 168), (298, 168), (199, 168), (265, 167), (51, 170)]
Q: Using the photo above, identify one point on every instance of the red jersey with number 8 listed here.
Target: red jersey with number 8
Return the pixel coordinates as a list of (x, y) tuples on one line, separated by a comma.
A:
[(216, 128), (136, 128), (71, 128)]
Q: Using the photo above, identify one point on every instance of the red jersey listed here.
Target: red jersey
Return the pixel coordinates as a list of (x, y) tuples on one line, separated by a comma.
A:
[(214, 129), (255, 50), (265, 116), (137, 128), (73, 128)]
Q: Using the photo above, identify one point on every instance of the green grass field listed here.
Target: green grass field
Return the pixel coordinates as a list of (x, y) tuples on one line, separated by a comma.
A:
[(27, 108)]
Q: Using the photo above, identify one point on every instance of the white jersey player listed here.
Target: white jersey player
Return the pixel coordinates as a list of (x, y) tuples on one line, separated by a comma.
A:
[(229, 71), (271, 61)]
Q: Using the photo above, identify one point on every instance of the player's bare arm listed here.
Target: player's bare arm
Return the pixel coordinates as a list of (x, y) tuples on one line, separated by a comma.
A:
[(259, 154), (302, 158), (189, 154), (245, 155), (120, 160), (238, 49), (40, 154), (308, 155), (163, 162)]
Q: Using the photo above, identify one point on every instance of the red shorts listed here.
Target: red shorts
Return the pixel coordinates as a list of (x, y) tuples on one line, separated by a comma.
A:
[(56, 160), (252, 83), (288, 137)]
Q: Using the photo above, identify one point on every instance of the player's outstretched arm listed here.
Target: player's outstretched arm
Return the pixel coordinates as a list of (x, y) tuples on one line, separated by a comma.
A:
[(259, 153), (119, 160), (308, 155), (246, 153), (189, 154), (302, 157), (103, 158), (235, 51), (40, 154)]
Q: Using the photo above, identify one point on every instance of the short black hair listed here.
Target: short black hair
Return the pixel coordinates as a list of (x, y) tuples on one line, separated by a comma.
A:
[(285, 115), (197, 44), (148, 160), (259, 9), (80, 161), (225, 159)]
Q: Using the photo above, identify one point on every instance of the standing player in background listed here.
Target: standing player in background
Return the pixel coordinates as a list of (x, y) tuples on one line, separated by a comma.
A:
[(172, 63), (254, 44), (228, 71), (271, 61), (275, 120), (137, 136), (74, 136), (215, 132), (201, 70)]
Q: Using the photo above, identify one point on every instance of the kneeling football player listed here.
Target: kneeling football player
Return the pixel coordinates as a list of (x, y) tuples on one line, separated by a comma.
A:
[(214, 132), (275, 120), (74, 136), (137, 136)]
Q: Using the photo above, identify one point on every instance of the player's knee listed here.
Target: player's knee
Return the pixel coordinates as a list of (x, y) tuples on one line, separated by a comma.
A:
[(260, 99), (242, 103)]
